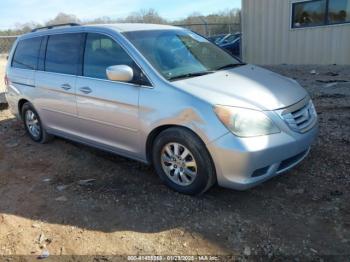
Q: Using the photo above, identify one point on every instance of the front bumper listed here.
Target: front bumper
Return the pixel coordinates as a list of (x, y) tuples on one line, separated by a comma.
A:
[(242, 163)]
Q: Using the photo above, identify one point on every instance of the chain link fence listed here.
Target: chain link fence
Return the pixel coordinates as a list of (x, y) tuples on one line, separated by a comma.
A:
[(205, 29), (217, 31), (6, 43), (210, 29)]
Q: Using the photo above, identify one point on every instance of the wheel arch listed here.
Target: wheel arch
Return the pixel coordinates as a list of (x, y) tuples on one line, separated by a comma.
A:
[(156, 131), (21, 102)]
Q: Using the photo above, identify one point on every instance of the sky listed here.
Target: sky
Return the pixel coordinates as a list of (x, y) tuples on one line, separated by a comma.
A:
[(23, 11)]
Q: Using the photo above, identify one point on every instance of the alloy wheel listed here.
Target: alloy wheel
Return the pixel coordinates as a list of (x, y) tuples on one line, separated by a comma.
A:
[(32, 123), (179, 164)]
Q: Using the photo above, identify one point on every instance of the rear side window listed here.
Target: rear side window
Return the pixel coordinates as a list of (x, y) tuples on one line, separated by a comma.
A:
[(63, 54), (101, 52), (26, 54)]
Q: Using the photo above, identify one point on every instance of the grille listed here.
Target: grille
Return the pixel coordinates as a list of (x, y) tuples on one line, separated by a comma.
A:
[(292, 160), (300, 117)]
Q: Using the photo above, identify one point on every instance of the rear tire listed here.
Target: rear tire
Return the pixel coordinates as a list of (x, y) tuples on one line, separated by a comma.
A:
[(183, 162), (33, 124)]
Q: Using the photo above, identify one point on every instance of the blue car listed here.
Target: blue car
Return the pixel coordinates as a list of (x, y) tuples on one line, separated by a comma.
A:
[(217, 38), (232, 43), (229, 42)]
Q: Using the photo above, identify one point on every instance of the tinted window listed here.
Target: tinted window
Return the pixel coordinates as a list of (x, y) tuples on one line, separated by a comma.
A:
[(309, 13), (101, 52), (26, 54), (63, 53), (339, 11)]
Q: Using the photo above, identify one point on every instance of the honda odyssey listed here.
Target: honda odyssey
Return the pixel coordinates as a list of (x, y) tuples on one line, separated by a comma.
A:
[(162, 95)]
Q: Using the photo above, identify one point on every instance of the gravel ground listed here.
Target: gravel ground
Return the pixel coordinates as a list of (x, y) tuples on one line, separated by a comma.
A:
[(45, 205)]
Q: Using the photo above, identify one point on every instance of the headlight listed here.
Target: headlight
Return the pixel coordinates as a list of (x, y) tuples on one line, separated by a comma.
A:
[(246, 122)]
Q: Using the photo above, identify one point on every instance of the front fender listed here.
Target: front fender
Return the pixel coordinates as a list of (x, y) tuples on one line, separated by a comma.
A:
[(169, 106)]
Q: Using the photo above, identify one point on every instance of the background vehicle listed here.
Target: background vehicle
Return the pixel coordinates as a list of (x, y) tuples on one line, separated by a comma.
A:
[(216, 38), (162, 95), (229, 38), (229, 42), (232, 43)]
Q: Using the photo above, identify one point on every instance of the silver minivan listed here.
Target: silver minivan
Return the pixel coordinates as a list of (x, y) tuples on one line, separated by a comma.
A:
[(162, 95)]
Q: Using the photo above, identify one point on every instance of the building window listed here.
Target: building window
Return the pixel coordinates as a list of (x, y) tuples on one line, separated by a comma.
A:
[(320, 12), (339, 11), (312, 13)]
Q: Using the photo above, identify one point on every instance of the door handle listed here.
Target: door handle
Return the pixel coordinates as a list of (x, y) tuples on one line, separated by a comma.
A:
[(66, 87), (86, 90)]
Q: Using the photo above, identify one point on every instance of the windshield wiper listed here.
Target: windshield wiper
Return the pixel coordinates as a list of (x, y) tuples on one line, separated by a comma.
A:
[(190, 75), (230, 66)]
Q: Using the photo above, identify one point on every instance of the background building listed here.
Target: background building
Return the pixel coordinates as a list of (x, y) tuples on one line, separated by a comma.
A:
[(296, 32)]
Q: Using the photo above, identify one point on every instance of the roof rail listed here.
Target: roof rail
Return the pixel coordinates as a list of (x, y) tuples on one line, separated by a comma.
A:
[(53, 26)]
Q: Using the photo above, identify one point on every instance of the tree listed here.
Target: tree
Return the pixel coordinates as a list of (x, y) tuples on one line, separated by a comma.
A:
[(150, 16), (63, 18)]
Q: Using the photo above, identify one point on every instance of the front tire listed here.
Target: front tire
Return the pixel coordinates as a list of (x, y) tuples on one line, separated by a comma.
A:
[(33, 124), (182, 161)]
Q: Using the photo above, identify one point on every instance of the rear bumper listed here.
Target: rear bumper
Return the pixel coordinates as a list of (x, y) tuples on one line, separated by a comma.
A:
[(12, 98), (242, 163)]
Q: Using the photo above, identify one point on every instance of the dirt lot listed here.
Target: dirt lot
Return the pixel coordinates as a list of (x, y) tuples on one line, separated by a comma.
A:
[(127, 210)]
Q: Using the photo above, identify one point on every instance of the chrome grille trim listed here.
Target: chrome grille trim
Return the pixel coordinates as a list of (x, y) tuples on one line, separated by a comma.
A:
[(301, 116)]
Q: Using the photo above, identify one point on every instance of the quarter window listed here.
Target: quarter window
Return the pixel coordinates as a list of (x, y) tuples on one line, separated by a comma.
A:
[(26, 54), (101, 52), (63, 53), (320, 12)]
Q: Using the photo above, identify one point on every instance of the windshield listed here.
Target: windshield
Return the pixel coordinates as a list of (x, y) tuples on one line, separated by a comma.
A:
[(180, 53)]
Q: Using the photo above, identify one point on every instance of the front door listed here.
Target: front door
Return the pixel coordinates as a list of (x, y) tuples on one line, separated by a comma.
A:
[(107, 110)]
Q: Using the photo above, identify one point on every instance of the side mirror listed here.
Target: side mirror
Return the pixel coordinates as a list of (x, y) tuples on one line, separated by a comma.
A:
[(122, 73)]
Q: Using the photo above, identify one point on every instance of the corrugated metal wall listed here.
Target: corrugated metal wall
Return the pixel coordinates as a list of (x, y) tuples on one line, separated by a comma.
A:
[(269, 39)]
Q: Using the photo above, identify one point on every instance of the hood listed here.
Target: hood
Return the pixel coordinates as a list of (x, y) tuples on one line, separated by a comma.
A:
[(245, 86)]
